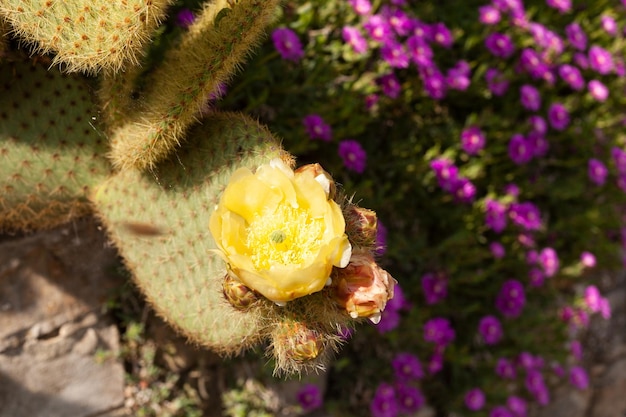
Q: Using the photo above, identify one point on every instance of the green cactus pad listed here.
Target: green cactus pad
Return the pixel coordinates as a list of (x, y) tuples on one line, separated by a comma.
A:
[(86, 35), (207, 56), (51, 149), (159, 221)]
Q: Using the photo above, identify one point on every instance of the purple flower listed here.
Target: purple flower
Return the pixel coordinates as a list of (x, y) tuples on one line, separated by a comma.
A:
[(572, 76), (445, 171), (576, 36), (435, 364), (458, 77), (538, 124), (422, 30), (185, 17), (419, 51), (407, 367), (435, 287), (441, 35), (381, 241), (496, 82), (361, 7), (464, 190), (500, 411), (378, 28), (588, 259), (578, 377), (316, 128), (531, 62), (525, 215), (287, 44), (353, 155), (605, 308), (549, 261), (576, 349), (592, 298), (597, 171), (558, 116), (389, 320), (399, 300), (598, 90), (475, 399), (608, 24), (530, 97), (353, 37), (538, 143), (536, 277), (390, 85), (511, 298), (517, 405), (309, 397), (581, 60), (497, 250), (394, 54), (536, 385), (409, 398), (399, 21), (495, 215), (563, 6), (439, 331), (488, 15), (500, 45), (472, 140), (600, 60), (505, 369), (490, 329), (434, 84), (384, 403), (520, 150)]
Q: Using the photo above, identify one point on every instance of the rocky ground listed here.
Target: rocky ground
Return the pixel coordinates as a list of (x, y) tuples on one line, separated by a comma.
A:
[(73, 343)]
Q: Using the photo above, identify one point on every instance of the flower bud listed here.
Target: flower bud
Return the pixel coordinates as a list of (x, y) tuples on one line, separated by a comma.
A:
[(295, 342), (362, 287), (322, 177), (237, 294), (361, 225)]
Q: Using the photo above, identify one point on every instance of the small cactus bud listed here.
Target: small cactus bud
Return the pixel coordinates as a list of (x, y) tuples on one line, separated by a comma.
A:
[(321, 176), (306, 345), (361, 225), (362, 287), (237, 294)]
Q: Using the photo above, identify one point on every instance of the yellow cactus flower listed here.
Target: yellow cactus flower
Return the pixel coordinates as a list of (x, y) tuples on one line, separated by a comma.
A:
[(279, 232)]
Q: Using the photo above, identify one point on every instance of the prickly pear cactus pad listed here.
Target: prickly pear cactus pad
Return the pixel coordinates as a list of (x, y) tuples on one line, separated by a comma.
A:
[(51, 148), (86, 35), (159, 221)]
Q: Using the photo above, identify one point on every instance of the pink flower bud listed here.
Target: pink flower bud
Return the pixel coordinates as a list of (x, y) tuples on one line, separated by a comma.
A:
[(361, 225)]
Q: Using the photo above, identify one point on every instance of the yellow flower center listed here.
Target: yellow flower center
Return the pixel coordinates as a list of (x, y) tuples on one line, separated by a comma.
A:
[(287, 236)]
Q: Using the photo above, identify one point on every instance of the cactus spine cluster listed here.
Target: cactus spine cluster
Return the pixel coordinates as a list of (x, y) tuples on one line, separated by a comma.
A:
[(92, 125)]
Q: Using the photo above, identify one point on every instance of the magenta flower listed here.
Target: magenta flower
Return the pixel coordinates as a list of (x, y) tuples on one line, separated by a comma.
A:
[(381, 241), (361, 7), (309, 397), (500, 45), (399, 300), (407, 367), (353, 155), (605, 308), (497, 250), (517, 405), (490, 330), (511, 298), (442, 35), (496, 82), (588, 259), (597, 171), (608, 24), (422, 30), (435, 287), (445, 171), (475, 399), (399, 21), (536, 277), (505, 369), (488, 15), (495, 215), (287, 44), (530, 97), (592, 298), (420, 51), (439, 331), (549, 261), (600, 60), (384, 403), (464, 190), (409, 399), (576, 36), (531, 62), (390, 85), (458, 77), (525, 215), (353, 37), (576, 348), (572, 76), (538, 124), (563, 6), (378, 28), (578, 377), (434, 84), (520, 150), (472, 140), (536, 385), (538, 143), (394, 54), (316, 128), (598, 90), (389, 320), (558, 116)]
